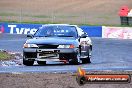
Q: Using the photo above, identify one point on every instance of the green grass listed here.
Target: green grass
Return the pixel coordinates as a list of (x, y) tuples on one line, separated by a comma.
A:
[(53, 22), (4, 56), (62, 16), (29, 22), (8, 14), (41, 16), (49, 22)]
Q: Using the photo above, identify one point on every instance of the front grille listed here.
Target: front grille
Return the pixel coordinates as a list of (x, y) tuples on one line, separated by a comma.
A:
[(48, 54), (47, 46)]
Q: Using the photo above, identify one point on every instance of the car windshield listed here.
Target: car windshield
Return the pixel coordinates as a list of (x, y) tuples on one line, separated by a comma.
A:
[(58, 31)]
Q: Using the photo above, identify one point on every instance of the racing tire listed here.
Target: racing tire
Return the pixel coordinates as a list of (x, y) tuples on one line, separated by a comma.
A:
[(75, 61), (28, 63), (87, 60), (41, 62)]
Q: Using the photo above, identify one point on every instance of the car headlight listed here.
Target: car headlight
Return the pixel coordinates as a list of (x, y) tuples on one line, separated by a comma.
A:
[(66, 46), (30, 46)]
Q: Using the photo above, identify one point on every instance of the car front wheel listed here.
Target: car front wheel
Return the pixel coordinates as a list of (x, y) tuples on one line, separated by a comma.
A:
[(28, 63), (75, 60), (41, 62)]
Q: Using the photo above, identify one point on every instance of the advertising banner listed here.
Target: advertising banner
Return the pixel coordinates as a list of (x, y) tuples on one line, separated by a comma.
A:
[(20, 28), (12, 28), (93, 31), (117, 32), (1, 28)]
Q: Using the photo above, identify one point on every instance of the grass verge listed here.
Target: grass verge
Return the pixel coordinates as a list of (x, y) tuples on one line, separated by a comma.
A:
[(5, 56), (48, 22)]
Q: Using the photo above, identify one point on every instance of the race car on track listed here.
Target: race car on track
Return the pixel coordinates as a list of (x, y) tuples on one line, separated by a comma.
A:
[(57, 42)]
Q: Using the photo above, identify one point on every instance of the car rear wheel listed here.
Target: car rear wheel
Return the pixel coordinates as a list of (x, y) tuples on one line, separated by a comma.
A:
[(75, 60), (87, 60)]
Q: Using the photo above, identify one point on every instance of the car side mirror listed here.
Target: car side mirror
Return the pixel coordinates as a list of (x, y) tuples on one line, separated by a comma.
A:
[(30, 36), (84, 35)]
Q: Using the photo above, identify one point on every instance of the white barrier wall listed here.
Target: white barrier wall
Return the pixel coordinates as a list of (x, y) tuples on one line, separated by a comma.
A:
[(117, 32)]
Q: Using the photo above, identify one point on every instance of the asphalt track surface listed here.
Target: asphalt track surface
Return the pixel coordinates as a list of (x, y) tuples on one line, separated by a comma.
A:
[(108, 54)]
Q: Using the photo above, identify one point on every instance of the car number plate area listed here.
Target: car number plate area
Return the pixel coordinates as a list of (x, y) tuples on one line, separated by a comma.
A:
[(48, 54)]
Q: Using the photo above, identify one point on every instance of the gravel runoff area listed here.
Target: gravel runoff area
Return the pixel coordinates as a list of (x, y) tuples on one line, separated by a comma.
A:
[(14, 60), (49, 80)]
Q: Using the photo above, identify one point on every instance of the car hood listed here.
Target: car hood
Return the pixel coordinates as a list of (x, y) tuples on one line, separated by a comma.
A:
[(52, 40)]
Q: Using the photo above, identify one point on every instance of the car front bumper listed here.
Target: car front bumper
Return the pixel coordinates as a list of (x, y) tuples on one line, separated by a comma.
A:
[(47, 54)]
